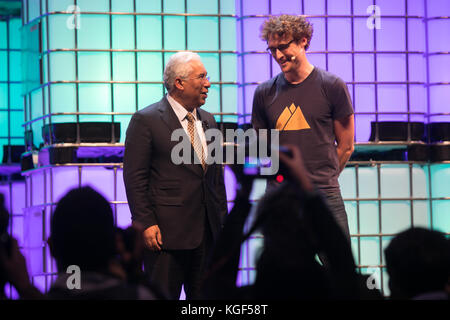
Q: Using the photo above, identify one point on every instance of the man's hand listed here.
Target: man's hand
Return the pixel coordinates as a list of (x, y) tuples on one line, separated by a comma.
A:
[(152, 238), (344, 129)]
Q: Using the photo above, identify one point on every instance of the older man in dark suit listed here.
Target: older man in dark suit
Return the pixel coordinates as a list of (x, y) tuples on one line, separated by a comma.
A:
[(179, 206)]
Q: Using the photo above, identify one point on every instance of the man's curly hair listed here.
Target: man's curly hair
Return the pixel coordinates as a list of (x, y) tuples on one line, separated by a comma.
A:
[(296, 26)]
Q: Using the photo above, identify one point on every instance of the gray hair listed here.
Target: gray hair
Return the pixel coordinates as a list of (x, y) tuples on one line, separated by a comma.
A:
[(178, 66)]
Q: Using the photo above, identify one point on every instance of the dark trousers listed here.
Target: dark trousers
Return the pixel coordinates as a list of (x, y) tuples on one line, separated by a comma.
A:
[(170, 269), (336, 204)]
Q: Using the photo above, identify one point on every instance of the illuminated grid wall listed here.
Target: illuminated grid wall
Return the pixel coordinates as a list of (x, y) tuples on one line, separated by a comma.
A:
[(385, 69), (11, 119), (14, 193), (11, 102), (44, 188), (103, 63), (58, 95), (103, 60), (396, 73)]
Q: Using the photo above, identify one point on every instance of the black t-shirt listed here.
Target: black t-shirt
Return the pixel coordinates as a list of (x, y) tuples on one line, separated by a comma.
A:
[(304, 113)]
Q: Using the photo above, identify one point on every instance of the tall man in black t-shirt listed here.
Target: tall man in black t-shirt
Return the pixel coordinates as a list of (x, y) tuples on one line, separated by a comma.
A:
[(309, 106)]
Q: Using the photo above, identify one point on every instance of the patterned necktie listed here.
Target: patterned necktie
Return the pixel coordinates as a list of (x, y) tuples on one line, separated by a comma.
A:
[(195, 139)]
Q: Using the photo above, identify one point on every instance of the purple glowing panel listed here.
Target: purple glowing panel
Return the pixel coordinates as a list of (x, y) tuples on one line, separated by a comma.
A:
[(39, 282), (417, 68), (363, 36), (362, 127), (440, 68), (438, 41), (389, 7), (17, 229), (339, 7), (100, 179), (392, 98), (416, 35), (18, 196), (275, 68), (251, 29), (63, 180), (438, 8), (286, 6), (33, 239), (257, 67), (416, 8), (123, 218), (418, 102), (48, 257), (314, 7), (364, 98), (339, 34), (391, 67), (364, 67), (318, 39), (121, 193), (439, 102), (341, 64), (37, 192), (230, 183), (317, 60), (254, 7)]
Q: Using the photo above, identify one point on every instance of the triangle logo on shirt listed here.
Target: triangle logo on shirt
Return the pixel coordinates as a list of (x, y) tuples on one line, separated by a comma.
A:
[(292, 118)]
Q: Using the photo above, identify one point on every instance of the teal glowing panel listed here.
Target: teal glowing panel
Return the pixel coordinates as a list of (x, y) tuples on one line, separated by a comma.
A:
[(113, 63), (11, 100)]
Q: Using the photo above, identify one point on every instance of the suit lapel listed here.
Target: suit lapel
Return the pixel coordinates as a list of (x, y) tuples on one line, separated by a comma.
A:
[(169, 117)]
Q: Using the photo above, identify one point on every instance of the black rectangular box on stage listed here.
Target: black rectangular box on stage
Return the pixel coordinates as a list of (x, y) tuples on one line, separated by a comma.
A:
[(396, 131), (89, 132)]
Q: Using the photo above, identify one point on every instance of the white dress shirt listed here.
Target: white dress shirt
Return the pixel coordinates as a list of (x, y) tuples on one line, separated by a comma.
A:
[(181, 113)]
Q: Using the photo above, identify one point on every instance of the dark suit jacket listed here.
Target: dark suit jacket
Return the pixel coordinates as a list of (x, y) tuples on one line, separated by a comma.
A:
[(174, 197)]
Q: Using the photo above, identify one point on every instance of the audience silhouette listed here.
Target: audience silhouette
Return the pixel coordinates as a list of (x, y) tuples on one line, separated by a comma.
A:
[(297, 227), (13, 268), (418, 264), (83, 235)]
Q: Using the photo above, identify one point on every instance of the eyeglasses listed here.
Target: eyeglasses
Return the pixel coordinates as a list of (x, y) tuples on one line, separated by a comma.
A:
[(202, 77), (281, 47)]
